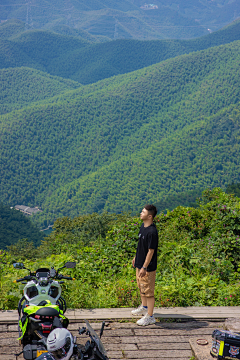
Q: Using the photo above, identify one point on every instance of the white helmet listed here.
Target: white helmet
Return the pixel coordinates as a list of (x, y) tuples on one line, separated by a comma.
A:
[(60, 344)]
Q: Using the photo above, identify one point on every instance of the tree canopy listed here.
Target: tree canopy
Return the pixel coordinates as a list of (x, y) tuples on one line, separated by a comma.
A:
[(198, 257), (15, 226)]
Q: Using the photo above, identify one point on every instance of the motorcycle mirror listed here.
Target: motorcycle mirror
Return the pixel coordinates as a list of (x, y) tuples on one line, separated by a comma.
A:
[(19, 265), (82, 330), (70, 265), (53, 272)]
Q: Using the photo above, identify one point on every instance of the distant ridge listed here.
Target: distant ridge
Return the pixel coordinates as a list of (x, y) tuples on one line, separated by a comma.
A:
[(111, 19), (167, 129), (21, 87), (10, 28), (86, 62), (117, 19)]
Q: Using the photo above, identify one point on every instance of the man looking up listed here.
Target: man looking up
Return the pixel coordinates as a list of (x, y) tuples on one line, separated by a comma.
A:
[(145, 263)]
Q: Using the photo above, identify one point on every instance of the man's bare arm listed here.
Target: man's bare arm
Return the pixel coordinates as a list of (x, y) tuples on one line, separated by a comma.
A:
[(149, 256), (133, 261)]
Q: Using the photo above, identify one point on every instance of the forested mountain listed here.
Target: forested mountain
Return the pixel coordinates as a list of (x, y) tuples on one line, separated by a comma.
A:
[(114, 145), (86, 62), (11, 28), (15, 226), (135, 19), (38, 49), (233, 189), (21, 87)]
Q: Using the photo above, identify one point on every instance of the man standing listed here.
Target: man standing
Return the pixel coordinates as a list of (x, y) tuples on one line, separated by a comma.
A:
[(145, 263)]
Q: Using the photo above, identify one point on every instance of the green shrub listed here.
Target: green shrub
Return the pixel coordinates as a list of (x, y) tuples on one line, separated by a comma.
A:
[(198, 258)]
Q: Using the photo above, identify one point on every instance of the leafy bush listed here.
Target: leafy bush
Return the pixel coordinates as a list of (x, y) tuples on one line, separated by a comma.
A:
[(24, 249), (198, 260)]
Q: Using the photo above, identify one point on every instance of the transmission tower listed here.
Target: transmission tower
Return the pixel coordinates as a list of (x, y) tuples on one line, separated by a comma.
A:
[(116, 29), (29, 21)]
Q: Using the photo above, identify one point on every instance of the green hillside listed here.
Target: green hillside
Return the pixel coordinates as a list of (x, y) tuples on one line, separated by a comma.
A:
[(112, 19), (11, 28), (166, 129), (182, 162), (19, 87), (205, 12), (87, 62), (233, 189), (15, 27), (162, 23), (80, 34), (37, 49), (15, 226), (121, 56), (115, 19)]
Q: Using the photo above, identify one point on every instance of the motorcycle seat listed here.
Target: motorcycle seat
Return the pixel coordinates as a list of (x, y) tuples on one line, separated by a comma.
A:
[(47, 311)]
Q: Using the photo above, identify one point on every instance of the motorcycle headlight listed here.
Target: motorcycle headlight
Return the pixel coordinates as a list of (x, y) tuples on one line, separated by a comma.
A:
[(53, 291), (32, 291)]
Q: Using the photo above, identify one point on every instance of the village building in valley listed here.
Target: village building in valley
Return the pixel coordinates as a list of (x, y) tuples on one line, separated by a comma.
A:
[(26, 210), (149, 7)]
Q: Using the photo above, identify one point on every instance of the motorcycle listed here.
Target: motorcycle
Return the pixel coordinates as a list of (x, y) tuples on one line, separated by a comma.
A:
[(42, 308), (92, 350)]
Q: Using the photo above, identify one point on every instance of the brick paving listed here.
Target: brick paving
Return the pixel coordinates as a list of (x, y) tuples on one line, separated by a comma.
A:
[(126, 340)]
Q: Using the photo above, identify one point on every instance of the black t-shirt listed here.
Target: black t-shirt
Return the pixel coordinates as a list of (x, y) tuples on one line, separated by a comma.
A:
[(147, 239)]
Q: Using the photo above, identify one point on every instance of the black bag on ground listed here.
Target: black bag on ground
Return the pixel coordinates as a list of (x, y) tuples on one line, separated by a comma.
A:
[(225, 345)]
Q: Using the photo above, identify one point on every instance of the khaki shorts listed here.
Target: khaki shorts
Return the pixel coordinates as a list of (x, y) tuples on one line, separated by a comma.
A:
[(146, 284)]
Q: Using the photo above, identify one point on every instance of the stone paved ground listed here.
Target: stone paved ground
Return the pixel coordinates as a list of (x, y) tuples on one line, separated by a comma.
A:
[(126, 340)]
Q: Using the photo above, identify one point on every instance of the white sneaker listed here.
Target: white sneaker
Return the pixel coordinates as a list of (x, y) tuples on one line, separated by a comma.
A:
[(146, 320), (139, 311)]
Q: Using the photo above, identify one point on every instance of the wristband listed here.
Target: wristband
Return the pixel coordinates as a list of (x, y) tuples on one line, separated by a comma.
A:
[(144, 268)]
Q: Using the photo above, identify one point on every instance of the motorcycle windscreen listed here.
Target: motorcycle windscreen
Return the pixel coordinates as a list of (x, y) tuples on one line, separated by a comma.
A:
[(96, 338)]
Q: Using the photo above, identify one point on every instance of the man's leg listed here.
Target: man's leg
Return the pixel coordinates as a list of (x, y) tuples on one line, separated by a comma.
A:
[(140, 310), (150, 304), (147, 285), (144, 300), (148, 319)]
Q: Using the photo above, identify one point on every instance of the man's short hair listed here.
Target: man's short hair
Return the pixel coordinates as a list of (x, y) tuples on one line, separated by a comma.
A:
[(152, 210)]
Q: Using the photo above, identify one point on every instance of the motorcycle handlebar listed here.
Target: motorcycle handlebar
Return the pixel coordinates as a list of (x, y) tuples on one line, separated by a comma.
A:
[(18, 280), (67, 277), (28, 277)]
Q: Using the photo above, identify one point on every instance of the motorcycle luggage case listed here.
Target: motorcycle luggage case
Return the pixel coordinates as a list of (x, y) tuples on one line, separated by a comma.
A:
[(225, 345), (32, 351)]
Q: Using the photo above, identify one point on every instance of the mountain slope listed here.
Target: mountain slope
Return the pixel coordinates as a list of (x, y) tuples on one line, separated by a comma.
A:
[(99, 61), (164, 129), (113, 19), (79, 33), (86, 63), (19, 87), (38, 49), (15, 226), (199, 156), (181, 19), (11, 28)]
